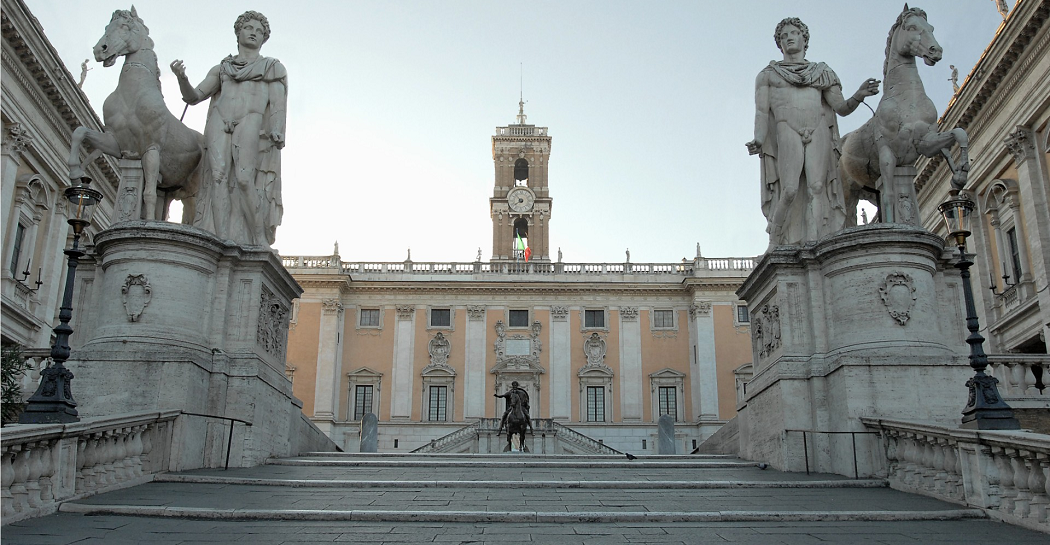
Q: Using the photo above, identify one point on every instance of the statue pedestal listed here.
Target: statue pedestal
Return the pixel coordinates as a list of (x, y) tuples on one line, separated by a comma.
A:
[(174, 318), (898, 201), (866, 322)]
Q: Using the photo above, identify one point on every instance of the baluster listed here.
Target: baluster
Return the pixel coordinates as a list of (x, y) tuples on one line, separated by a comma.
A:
[(892, 461), (106, 448), (940, 476), (47, 462), (79, 484), (1000, 371), (1020, 482), (1029, 381), (1037, 487), (951, 467), (7, 476), (1007, 492), (90, 472), (33, 459), (20, 465), (120, 453), (135, 451), (147, 446), (928, 471), (1017, 382)]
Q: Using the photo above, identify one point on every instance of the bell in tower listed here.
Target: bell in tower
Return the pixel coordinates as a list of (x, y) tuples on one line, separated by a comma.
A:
[(520, 205)]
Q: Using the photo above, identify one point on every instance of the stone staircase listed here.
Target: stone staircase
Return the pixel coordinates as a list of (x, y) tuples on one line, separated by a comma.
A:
[(547, 437), (477, 498)]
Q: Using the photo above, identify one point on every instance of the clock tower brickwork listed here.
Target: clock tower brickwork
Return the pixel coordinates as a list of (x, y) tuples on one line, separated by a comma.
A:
[(520, 202)]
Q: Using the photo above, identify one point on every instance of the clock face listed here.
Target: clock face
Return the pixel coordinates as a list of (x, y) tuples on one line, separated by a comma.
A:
[(520, 200)]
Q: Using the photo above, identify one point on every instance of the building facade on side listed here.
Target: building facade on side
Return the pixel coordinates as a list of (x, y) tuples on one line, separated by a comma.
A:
[(605, 348), (1004, 104), (41, 106)]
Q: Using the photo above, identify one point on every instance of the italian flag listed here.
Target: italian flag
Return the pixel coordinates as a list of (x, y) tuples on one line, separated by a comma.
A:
[(520, 245)]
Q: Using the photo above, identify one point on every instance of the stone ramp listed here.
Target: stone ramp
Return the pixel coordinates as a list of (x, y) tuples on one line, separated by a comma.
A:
[(508, 498)]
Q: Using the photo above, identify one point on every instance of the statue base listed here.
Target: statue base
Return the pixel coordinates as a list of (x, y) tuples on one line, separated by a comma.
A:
[(171, 317), (866, 322)]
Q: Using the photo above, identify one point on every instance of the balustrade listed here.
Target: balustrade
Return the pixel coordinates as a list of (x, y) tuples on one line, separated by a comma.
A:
[(99, 455), (736, 265), (1007, 474), (1021, 375)]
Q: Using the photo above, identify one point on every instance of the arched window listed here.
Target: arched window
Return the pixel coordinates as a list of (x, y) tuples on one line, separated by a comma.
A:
[(521, 172), (521, 230)]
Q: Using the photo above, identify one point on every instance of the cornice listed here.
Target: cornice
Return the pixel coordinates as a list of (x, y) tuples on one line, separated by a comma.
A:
[(994, 84), (22, 32)]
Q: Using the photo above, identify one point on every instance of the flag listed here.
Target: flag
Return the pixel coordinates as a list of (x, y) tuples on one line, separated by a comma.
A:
[(520, 245)]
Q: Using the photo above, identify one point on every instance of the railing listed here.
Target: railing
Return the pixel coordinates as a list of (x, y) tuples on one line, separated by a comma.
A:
[(1022, 376), (521, 130), (38, 360), (1006, 474), (43, 465), (686, 268), (458, 437), (229, 439), (566, 433), (853, 438)]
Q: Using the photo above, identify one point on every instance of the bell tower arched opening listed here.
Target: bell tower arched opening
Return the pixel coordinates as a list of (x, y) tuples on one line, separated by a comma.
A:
[(521, 172), (521, 232)]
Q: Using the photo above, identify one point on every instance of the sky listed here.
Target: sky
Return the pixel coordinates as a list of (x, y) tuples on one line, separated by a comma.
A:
[(392, 105)]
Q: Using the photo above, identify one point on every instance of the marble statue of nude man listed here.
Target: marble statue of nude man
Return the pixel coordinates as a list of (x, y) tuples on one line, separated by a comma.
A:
[(243, 135), (796, 134)]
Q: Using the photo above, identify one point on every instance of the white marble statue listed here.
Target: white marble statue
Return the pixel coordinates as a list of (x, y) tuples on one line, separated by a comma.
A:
[(243, 136), (796, 135), (139, 124), (904, 126)]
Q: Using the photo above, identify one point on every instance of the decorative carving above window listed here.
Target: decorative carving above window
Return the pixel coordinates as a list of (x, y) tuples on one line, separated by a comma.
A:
[(700, 308), (475, 312), (629, 314), (594, 348), (439, 349), (559, 313), (405, 312), (331, 306)]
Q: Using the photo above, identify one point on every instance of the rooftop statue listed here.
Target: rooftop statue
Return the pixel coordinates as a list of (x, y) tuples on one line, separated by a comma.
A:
[(138, 125), (904, 126), (243, 136), (797, 138)]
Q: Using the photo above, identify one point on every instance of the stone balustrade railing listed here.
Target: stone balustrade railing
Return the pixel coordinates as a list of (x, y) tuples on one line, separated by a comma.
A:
[(44, 465), (566, 433), (1022, 377), (465, 434), (1005, 473), (733, 265)]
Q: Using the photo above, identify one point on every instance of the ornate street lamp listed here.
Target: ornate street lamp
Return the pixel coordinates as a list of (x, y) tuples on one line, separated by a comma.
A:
[(985, 409), (53, 401)]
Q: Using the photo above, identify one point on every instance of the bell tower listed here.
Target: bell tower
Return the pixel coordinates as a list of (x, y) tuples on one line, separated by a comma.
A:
[(520, 203)]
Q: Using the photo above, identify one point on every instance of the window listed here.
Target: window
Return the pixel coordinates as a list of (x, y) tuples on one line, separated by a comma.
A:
[(369, 317), (663, 319), (669, 401), (594, 318), (16, 253), (362, 401), (742, 315), (438, 403), (440, 317), (519, 318), (595, 404), (1015, 253)]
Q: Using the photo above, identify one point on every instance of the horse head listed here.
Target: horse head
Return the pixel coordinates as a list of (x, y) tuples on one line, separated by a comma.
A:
[(912, 36), (125, 34)]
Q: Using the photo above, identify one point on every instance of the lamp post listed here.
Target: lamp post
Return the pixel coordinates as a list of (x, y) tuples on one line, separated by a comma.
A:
[(53, 401), (985, 409)]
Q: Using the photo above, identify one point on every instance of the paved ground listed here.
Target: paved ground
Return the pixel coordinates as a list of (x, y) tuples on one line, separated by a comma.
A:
[(486, 500)]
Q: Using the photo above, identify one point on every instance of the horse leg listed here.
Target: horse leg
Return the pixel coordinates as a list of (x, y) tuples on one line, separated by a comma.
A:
[(150, 177), (98, 142), (885, 185), (940, 142)]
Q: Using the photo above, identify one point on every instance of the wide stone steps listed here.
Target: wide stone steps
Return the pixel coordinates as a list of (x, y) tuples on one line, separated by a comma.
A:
[(550, 498)]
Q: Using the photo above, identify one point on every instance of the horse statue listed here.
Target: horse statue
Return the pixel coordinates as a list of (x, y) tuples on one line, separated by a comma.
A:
[(904, 127), (138, 125), (516, 420)]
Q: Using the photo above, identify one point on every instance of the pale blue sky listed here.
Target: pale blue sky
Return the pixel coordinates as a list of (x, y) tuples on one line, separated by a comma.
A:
[(393, 103)]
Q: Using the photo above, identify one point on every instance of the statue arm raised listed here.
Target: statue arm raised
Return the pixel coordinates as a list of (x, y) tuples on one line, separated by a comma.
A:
[(754, 147), (833, 95), (195, 95)]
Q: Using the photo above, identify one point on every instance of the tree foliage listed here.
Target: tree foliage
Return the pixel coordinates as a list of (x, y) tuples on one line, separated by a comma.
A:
[(14, 367)]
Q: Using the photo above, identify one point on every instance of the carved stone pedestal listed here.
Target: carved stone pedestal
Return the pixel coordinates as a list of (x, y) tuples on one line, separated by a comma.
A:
[(866, 322), (174, 318)]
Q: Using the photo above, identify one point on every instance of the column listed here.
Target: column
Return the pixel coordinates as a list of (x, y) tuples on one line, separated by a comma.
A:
[(326, 389), (560, 364), (1032, 184), (704, 378), (630, 365), (474, 377), (404, 344)]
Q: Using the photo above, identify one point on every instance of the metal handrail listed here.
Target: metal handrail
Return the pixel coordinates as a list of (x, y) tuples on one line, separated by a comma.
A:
[(805, 445), (229, 440)]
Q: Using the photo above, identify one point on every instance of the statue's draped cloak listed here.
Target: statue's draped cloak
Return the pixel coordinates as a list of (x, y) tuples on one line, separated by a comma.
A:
[(819, 76), (268, 163)]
